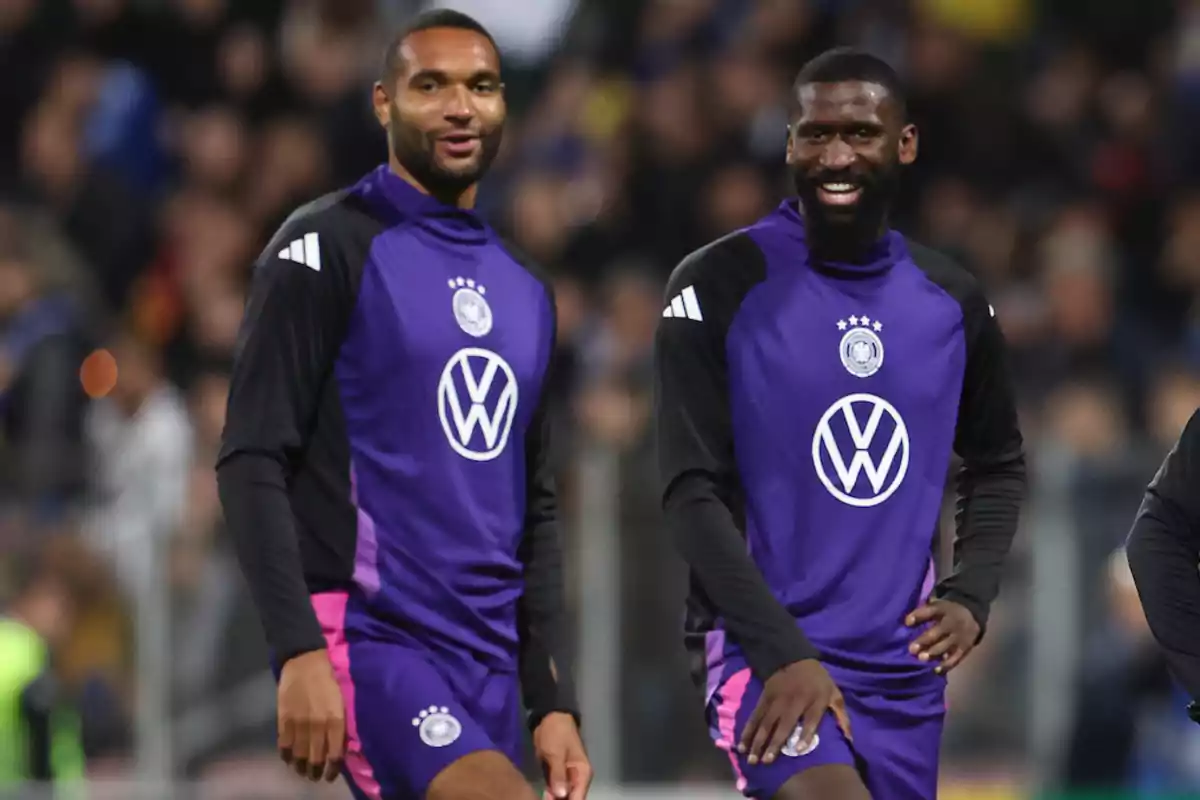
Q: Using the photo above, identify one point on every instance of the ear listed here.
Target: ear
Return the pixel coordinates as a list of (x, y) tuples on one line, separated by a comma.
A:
[(908, 144), (791, 146), (380, 100)]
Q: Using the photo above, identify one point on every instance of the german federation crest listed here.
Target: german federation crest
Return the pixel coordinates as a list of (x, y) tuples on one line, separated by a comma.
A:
[(794, 749), (471, 309), (861, 348), (437, 726)]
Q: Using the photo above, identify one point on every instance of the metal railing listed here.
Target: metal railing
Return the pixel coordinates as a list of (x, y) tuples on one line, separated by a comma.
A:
[(596, 563)]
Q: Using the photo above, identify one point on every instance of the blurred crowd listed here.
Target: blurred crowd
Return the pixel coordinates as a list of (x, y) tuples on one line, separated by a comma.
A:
[(149, 149)]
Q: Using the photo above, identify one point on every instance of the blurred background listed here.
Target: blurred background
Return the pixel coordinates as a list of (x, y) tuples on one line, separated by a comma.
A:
[(149, 148)]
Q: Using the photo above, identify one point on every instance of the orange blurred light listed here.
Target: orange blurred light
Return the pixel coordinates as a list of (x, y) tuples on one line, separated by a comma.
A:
[(98, 374)]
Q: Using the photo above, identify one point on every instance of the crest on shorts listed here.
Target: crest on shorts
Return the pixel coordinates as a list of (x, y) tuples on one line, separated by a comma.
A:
[(471, 309), (861, 348), (437, 726), (793, 747)]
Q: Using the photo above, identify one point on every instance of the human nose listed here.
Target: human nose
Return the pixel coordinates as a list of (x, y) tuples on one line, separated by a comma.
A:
[(837, 154), (458, 105)]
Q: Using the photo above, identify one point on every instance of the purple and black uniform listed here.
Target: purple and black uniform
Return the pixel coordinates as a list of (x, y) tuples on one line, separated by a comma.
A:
[(1163, 549), (807, 415), (385, 475)]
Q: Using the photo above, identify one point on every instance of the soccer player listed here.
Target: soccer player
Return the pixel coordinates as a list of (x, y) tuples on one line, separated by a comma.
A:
[(814, 372), (1163, 550), (384, 469)]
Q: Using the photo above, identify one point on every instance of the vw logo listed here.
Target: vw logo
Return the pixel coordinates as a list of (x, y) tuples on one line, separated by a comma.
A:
[(861, 436), (477, 401)]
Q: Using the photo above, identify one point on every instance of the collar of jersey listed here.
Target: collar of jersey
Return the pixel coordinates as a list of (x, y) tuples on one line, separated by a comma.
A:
[(885, 253), (454, 224)]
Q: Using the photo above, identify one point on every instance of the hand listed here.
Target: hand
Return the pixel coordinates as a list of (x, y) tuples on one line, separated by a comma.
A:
[(950, 639), (801, 691), (312, 717), (560, 751)]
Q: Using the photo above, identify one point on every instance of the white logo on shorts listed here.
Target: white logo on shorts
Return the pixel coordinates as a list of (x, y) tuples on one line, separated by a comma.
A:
[(793, 748), (437, 726)]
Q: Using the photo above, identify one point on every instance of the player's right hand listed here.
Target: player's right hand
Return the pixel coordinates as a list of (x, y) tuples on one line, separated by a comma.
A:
[(312, 717), (799, 693)]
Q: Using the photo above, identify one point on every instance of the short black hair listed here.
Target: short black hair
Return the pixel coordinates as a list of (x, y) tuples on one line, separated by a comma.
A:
[(428, 20), (853, 64)]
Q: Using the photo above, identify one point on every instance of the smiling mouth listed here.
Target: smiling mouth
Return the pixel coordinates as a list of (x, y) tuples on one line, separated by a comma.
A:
[(833, 193), (459, 144)]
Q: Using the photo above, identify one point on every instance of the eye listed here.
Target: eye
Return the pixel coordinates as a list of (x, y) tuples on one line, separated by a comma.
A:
[(427, 86), (486, 87)]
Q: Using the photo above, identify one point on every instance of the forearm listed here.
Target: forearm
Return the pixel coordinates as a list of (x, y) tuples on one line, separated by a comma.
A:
[(254, 499), (1164, 558), (546, 681), (37, 718), (709, 541), (989, 505)]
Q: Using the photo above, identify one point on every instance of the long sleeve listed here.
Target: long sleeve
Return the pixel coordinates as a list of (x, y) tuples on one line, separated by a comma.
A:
[(992, 480), (701, 488), (295, 320), (53, 742), (37, 706), (545, 671), (1164, 555)]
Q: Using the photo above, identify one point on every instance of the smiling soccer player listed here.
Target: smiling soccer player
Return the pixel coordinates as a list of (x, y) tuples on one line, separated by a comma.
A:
[(814, 373), (385, 469)]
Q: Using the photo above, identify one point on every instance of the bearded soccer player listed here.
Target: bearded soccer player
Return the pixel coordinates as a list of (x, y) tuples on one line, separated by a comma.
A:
[(384, 468), (814, 373)]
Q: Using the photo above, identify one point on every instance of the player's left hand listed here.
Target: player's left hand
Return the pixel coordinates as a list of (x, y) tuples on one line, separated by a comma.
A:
[(560, 751), (950, 639)]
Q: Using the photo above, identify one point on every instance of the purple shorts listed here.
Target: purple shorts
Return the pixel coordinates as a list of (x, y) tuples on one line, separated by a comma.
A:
[(896, 741), (407, 718)]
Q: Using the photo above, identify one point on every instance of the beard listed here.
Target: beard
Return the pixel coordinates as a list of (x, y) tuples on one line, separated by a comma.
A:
[(879, 188), (416, 151)]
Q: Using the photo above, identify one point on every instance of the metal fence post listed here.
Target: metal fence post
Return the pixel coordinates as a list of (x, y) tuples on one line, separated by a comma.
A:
[(152, 634), (599, 644), (1054, 609)]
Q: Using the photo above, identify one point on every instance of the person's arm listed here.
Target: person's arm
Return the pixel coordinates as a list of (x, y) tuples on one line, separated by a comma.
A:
[(545, 672), (37, 709), (55, 737), (293, 327), (696, 462), (1163, 549), (992, 480)]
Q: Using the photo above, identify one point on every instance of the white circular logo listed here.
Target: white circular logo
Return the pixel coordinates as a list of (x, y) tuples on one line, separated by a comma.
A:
[(437, 726), (793, 748), (861, 435), (472, 311), (477, 402), (862, 352)]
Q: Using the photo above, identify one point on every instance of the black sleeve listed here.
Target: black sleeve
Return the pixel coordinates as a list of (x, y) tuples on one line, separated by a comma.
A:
[(294, 323), (1164, 555), (545, 670), (697, 468), (37, 709), (992, 481)]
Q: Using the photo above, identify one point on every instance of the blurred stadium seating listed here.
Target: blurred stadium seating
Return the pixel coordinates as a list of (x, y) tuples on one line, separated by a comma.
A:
[(148, 149)]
